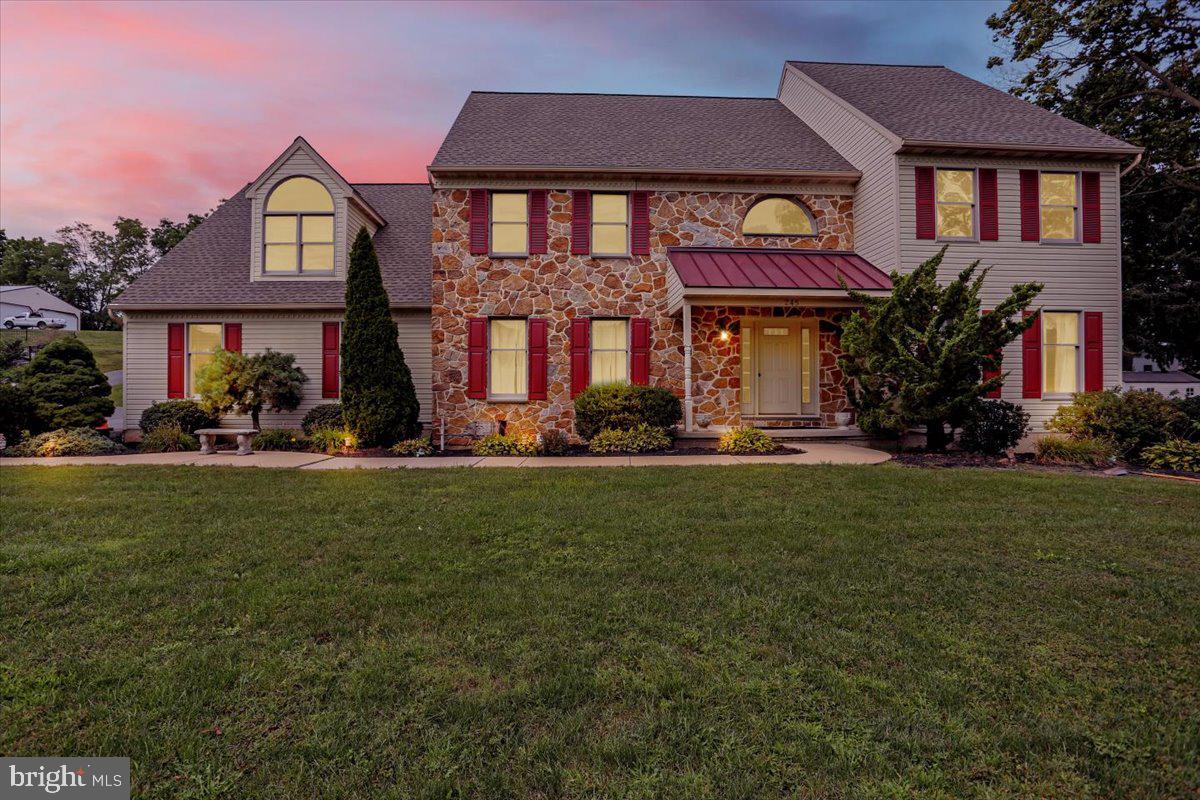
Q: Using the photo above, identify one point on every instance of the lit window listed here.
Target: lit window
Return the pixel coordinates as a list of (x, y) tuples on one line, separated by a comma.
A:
[(1060, 206), (776, 216), (298, 227), (956, 203), (507, 368), (510, 223), (610, 225), (610, 350), (204, 339), (1060, 352)]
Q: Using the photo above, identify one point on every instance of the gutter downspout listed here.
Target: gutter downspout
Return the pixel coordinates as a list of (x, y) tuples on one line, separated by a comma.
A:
[(687, 366), (1136, 160)]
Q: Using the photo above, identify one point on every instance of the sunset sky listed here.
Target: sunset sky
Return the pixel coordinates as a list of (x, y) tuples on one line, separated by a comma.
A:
[(159, 109)]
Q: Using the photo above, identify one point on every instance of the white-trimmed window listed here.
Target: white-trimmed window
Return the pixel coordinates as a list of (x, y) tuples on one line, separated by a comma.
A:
[(510, 224), (610, 351), (298, 228), (1060, 352), (778, 216), (1058, 198), (610, 224), (203, 339), (508, 359), (954, 193)]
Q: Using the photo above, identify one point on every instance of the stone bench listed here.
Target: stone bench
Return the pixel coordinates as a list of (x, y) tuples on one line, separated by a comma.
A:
[(208, 438)]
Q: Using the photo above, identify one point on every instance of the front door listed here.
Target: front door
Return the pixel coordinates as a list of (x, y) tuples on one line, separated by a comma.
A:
[(779, 369)]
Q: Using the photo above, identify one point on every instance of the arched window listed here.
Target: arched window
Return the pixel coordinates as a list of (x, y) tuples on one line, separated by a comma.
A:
[(298, 228), (776, 216)]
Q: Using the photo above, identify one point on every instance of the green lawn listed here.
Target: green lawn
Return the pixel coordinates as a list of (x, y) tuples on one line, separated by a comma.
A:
[(105, 345), (652, 633)]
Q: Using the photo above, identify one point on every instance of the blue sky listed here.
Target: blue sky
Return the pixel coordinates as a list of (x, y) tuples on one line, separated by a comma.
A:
[(158, 109)]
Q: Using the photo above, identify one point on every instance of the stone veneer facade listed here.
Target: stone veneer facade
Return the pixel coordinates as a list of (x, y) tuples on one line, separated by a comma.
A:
[(559, 286)]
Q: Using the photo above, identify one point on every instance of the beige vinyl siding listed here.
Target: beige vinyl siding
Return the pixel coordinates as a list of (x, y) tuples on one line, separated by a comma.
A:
[(356, 220), (1085, 277), (298, 333), (865, 147)]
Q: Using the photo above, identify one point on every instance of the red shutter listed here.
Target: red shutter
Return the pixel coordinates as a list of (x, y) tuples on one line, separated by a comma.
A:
[(989, 206), (1031, 358), (581, 354), (581, 222), (988, 374), (479, 222), (639, 351), (1091, 207), (536, 329), (175, 360), (537, 222), (925, 224), (1031, 226), (1093, 351), (233, 337), (331, 359), (477, 366), (639, 235)]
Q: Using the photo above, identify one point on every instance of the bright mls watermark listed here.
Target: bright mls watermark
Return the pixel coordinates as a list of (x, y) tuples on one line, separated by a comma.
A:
[(84, 778)]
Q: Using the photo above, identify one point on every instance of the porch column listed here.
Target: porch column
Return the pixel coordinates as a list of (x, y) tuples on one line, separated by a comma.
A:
[(687, 366)]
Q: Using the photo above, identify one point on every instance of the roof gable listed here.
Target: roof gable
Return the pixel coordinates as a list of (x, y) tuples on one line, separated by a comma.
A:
[(933, 105), (301, 146)]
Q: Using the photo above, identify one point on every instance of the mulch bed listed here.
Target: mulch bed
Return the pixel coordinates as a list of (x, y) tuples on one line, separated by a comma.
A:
[(573, 451)]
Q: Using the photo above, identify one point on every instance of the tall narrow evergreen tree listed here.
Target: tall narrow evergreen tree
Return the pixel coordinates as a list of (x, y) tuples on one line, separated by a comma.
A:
[(917, 356), (379, 402)]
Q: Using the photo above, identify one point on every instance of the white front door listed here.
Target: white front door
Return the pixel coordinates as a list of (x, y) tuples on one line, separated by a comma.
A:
[(779, 369)]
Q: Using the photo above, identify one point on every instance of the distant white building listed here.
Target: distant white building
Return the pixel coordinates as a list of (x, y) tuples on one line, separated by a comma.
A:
[(1146, 375), (23, 299)]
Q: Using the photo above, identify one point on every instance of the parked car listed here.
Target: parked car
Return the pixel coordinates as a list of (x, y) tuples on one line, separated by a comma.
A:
[(34, 319)]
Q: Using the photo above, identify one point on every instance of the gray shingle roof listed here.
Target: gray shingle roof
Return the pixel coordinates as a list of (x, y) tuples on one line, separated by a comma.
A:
[(633, 132), (212, 265), (936, 104)]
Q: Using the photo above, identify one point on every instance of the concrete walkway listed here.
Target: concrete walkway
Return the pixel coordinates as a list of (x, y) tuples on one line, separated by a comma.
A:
[(815, 453)]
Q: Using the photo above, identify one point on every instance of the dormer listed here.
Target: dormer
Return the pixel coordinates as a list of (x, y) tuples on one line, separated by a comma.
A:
[(305, 216)]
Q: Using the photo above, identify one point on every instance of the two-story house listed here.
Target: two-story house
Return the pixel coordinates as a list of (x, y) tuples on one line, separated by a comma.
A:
[(696, 243)]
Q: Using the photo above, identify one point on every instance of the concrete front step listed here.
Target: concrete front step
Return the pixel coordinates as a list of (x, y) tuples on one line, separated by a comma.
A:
[(788, 434)]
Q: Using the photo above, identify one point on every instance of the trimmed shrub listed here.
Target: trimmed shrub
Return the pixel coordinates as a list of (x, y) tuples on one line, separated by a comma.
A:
[(251, 384), (642, 439), (1085, 452), (16, 412), (188, 415), (509, 444), (745, 439), (66, 387), (623, 406), (331, 441), (168, 438), (553, 442), (993, 427), (12, 352), (279, 439), (68, 442), (1131, 421), (1177, 454), (1188, 426), (379, 401), (326, 415), (413, 447)]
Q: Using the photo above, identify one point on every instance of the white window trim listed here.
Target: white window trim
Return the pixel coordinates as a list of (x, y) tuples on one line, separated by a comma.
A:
[(299, 243), (812, 221), (974, 237), (592, 228), (492, 227), (1078, 351), (190, 391), (592, 349), (1078, 208), (507, 398)]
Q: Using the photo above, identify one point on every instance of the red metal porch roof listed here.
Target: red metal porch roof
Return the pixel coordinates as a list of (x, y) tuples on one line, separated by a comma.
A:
[(770, 268)]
